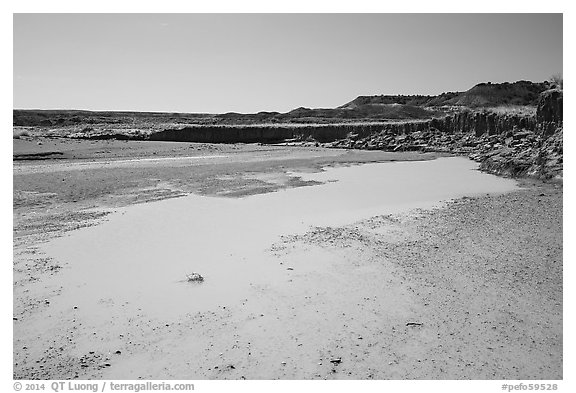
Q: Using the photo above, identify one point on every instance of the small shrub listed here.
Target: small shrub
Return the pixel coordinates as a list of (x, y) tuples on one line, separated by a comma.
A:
[(557, 80)]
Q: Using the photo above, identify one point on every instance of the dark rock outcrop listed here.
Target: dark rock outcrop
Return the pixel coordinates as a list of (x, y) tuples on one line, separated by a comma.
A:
[(540, 156), (549, 112), (549, 108), (265, 134)]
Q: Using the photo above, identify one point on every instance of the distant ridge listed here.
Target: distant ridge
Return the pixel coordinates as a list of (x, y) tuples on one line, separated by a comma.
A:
[(482, 95)]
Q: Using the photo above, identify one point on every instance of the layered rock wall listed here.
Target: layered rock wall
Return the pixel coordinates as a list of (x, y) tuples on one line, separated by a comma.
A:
[(549, 112), (478, 123), (264, 134)]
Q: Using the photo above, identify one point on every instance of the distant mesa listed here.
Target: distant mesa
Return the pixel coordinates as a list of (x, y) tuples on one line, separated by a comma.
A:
[(482, 95)]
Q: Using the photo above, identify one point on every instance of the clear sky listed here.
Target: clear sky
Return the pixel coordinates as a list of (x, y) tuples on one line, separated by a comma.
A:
[(269, 62)]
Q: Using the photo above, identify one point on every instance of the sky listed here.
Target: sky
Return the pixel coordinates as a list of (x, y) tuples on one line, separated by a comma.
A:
[(217, 63)]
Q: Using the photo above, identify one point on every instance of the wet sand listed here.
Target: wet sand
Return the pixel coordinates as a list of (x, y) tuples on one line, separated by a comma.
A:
[(472, 290)]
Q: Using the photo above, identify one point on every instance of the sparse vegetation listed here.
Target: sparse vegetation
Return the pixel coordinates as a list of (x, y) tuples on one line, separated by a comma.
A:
[(557, 81), (516, 110)]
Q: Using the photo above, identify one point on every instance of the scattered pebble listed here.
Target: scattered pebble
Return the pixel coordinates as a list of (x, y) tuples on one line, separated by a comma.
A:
[(414, 324)]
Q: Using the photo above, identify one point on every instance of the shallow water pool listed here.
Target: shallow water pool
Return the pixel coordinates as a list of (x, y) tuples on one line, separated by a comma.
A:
[(141, 255)]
